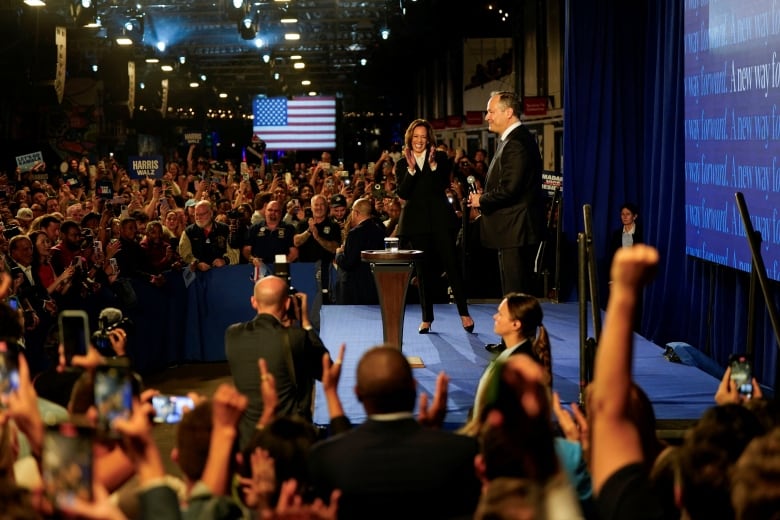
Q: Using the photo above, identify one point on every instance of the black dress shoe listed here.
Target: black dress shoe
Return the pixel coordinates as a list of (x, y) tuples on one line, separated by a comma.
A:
[(468, 328), (495, 348)]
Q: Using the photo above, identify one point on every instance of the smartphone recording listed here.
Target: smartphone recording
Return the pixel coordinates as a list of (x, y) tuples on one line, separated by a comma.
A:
[(9, 371), (74, 333), (113, 395), (66, 465), (169, 409), (742, 374)]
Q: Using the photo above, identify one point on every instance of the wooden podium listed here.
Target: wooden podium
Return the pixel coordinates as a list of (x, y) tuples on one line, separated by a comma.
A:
[(392, 271)]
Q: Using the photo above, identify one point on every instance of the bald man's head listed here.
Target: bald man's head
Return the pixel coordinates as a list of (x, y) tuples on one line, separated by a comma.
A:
[(270, 295), (384, 381)]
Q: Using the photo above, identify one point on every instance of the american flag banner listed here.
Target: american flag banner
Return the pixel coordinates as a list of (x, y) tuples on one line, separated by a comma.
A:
[(300, 123)]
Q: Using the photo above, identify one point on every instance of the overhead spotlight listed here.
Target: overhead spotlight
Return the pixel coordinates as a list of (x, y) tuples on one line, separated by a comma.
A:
[(299, 65), (305, 82), (161, 46), (266, 58), (363, 61), (237, 4), (124, 40), (83, 12), (292, 36), (276, 75), (385, 32), (182, 59), (203, 77), (94, 68), (247, 26), (259, 43)]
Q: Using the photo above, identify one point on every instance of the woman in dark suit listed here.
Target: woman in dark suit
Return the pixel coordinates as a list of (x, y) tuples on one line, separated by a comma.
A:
[(629, 233), (428, 221)]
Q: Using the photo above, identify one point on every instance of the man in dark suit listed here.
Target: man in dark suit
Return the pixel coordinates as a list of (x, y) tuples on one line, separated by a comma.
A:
[(391, 466), (293, 355), (356, 284), (512, 203)]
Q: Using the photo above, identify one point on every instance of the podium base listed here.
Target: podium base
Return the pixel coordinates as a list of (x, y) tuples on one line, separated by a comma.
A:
[(415, 361)]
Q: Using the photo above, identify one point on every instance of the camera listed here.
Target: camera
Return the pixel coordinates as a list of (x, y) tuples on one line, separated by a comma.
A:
[(11, 232), (101, 339)]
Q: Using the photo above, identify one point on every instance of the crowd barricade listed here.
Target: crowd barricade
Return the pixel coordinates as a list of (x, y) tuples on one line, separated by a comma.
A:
[(177, 324)]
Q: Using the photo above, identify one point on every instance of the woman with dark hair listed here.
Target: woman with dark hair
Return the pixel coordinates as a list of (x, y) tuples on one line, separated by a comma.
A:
[(428, 221), (42, 266), (629, 233), (518, 321)]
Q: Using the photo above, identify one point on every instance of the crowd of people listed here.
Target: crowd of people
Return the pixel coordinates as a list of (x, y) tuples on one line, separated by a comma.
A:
[(81, 239), (251, 450)]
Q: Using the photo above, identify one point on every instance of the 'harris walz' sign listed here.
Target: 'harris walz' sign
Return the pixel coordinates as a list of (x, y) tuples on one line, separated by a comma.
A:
[(149, 166)]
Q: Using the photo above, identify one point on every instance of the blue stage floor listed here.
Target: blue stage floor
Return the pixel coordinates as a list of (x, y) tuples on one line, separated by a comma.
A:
[(678, 392)]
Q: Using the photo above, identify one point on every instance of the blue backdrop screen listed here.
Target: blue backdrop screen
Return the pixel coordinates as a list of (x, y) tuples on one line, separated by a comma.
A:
[(732, 129)]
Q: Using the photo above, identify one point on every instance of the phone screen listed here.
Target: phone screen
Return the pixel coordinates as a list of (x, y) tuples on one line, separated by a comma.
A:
[(13, 302), (9, 371), (74, 333), (67, 462), (170, 409), (113, 395), (742, 375)]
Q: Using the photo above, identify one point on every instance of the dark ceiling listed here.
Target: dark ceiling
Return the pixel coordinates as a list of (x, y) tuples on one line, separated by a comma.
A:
[(335, 35)]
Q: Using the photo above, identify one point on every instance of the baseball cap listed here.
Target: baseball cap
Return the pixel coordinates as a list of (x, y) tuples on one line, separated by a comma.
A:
[(189, 203), (338, 201), (25, 214)]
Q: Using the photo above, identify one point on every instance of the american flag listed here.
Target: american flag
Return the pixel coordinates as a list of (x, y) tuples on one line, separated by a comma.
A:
[(302, 123)]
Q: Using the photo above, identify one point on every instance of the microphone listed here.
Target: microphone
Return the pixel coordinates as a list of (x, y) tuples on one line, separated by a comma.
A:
[(472, 183)]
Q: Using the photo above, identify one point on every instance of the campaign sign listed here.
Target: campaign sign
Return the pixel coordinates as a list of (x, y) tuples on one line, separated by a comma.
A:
[(149, 167)]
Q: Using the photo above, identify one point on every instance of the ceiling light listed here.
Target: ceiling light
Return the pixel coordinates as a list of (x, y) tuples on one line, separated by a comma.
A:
[(313, 93), (237, 4), (223, 95), (203, 77), (305, 82), (35, 3), (152, 60), (296, 57), (166, 68), (299, 65), (363, 61), (94, 68), (292, 36), (385, 33), (276, 75), (182, 59), (259, 42), (289, 19), (161, 46), (266, 58), (194, 84), (124, 40), (86, 4)]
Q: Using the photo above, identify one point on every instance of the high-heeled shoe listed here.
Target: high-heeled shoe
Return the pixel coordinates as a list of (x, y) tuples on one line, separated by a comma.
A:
[(467, 328), (424, 328)]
